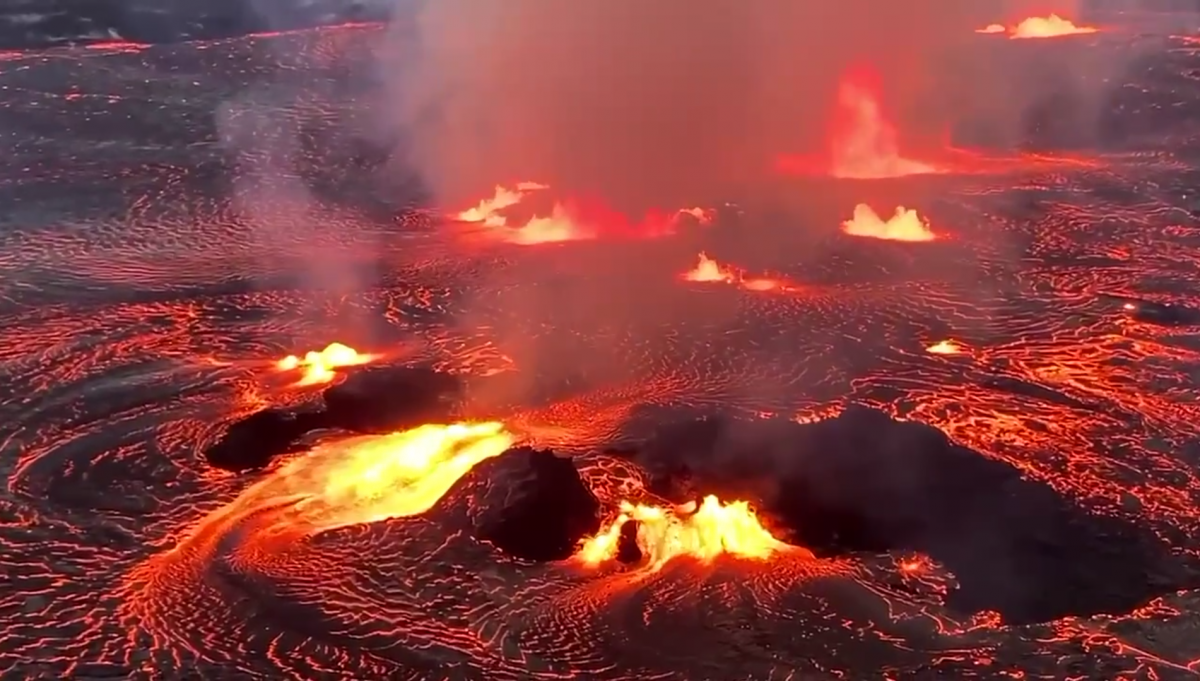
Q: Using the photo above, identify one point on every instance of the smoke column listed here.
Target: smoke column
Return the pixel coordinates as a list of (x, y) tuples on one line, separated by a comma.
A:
[(650, 102)]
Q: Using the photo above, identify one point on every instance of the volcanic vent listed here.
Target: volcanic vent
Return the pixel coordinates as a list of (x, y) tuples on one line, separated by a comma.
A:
[(865, 483)]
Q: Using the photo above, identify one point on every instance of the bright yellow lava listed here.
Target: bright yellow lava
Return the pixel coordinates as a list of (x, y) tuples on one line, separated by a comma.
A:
[(703, 533)]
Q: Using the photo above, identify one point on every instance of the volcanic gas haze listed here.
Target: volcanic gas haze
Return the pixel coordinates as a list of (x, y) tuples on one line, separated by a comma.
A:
[(644, 104)]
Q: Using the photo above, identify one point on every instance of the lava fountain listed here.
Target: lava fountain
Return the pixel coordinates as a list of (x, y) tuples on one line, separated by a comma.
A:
[(701, 532), (567, 220), (863, 143), (905, 225), (709, 271), (1052, 26), (319, 367)]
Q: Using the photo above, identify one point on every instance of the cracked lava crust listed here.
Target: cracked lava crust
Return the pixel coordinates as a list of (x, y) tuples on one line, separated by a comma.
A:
[(970, 453)]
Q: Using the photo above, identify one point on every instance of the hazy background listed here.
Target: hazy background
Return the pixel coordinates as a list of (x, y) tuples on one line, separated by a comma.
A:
[(664, 102)]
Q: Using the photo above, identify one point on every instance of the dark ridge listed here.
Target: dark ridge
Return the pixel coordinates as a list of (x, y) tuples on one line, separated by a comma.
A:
[(26, 24), (253, 442), (374, 400), (863, 482), (1163, 314), (386, 399), (547, 510)]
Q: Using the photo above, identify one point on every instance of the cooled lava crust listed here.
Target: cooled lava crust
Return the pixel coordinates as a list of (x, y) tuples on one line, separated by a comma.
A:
[(1025, 508)]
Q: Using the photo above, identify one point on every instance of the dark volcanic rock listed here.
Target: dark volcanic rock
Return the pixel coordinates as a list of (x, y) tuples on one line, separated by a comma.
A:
[(546, 509), (393, 398), (378, 400), (863, 482), (254, 441), (26, 24), (1164, 314)]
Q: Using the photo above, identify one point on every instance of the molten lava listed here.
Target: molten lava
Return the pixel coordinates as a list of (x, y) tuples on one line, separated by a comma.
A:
[(944, 347), (569, 220), (321, 367), (708, 270), (366, 479), (905, 225), (867, 145), (863, 143), (1052, 26), (704, 532), (401, 474)]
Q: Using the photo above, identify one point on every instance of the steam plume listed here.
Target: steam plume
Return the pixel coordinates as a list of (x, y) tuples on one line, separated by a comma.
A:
[(650, 102)]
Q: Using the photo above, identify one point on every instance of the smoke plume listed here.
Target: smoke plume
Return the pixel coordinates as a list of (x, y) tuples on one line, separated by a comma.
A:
[(653, 103)]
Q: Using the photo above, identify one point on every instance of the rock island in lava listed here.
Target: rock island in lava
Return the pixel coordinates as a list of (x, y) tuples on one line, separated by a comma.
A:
[(549, 439)]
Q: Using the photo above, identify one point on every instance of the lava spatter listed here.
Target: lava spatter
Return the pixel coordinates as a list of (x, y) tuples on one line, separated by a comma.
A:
[(709, 271), (1050, 26), (702, 532), (570, 219), (317, 367), (945, 347), (905, 225)]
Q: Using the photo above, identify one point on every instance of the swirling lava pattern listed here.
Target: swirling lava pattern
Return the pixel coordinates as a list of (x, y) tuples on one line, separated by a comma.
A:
[(145, 296)]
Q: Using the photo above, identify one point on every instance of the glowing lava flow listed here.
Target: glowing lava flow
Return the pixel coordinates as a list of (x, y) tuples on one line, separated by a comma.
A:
[(373, 478), (708, 270), (321, 367), (364, 479), (905, 225), (703, 533), (567, 221), (1052, 26)]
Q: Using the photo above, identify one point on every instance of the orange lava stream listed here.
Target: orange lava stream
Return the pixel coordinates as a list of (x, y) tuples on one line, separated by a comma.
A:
[(565, 222), (1052, 26), (362, 479), (321, 367), (704, 532), (359, 480), (905, 225), (708, 270)]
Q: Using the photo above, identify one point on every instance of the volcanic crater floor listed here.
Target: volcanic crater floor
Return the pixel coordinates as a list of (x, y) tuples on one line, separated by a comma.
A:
[(1022, 507)]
